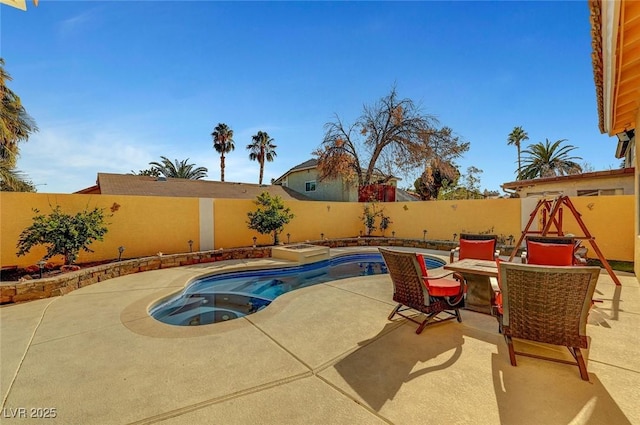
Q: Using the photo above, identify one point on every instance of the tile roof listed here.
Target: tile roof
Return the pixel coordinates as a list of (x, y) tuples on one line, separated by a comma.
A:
[(596, 58), (129, 184)]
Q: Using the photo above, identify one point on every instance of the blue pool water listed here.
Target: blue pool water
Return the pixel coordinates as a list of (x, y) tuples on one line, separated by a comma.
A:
[(235, 294)]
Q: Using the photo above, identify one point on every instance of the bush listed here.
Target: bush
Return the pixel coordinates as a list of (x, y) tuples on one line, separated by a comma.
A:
[(270, 217), (370, 214), (63, 234)]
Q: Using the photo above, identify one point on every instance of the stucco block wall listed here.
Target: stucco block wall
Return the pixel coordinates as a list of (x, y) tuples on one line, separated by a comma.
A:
[(144, 225), (608, 218), (334, 219), (147, 225), (441, 219)]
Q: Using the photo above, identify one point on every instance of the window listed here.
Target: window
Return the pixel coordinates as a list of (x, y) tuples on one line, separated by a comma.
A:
[(590, 192), (310, 186), (600, 192)]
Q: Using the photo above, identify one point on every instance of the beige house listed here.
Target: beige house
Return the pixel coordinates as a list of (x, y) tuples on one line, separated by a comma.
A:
[(615, 33), (598, 183), (304, 178)]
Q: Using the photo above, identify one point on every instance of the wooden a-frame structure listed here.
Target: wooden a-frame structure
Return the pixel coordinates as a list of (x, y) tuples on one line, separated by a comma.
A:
[(552, 216)]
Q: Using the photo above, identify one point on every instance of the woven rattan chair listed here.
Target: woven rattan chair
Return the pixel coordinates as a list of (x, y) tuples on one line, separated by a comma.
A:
[(414, 289), (478, 247), (547, 304)]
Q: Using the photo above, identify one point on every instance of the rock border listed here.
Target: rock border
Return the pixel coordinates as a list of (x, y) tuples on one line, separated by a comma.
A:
[(15, 292)]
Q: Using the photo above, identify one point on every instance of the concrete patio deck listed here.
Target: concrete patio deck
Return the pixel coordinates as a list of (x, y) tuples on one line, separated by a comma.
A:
[(325, 354)]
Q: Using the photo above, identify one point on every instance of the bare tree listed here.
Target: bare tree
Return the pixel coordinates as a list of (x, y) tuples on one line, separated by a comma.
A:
[(391, 137)]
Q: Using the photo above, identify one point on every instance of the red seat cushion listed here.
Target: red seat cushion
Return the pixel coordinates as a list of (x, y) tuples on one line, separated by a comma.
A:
[(443, 287), (498, 300), (549, 254), (499, 303), (438, 287), (423, 265), (478, 250)]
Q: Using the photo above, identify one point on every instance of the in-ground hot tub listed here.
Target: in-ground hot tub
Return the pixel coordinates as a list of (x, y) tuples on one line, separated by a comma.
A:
[(301, 253)]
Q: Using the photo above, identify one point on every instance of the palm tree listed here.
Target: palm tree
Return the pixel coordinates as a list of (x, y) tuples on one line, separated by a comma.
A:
[(262, 148), (152, 171), (516, 137), (179, 169), (222, 143), (549, 159), (13, 180), (15, 126)]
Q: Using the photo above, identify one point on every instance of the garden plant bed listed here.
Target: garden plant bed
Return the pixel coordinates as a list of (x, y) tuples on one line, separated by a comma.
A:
[(63, 283), (14, 274)]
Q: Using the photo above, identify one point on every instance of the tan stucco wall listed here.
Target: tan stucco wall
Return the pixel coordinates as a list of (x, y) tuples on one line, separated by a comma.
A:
[(312, 218), (609, 222), (570, 188), (442, 219), (146, 225)]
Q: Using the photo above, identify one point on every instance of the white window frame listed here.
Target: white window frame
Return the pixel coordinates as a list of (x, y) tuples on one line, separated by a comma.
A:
[(309, 184)]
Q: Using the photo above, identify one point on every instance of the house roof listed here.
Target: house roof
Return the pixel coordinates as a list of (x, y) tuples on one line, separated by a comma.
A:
[(129, 184), (309, 164), (620, 172), (615, 36), (596, 58)]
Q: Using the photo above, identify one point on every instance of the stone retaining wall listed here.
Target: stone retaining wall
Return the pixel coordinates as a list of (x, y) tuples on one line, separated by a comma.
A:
[(64, 283), (13, 292), (408, 243)]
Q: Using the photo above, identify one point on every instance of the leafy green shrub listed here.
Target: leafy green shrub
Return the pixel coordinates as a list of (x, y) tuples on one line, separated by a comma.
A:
[(270, 217), (63, 234), (370, 214)]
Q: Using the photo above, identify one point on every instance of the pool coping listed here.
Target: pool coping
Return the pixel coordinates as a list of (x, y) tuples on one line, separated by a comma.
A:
[(155, 328)]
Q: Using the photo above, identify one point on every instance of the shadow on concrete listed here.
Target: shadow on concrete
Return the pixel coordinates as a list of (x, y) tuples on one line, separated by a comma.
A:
[(532, 393), (606, 308), (541, 392), (382, 364)]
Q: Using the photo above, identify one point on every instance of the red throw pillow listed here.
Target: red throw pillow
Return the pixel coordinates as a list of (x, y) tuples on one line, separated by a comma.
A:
[(549, 254), (498, 301), (423, 266), (478, 250)]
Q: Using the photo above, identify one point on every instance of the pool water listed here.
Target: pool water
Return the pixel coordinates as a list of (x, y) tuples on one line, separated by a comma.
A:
[(231, 295)]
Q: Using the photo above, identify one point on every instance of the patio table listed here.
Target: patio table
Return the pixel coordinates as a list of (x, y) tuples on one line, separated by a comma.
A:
[(482, 282)]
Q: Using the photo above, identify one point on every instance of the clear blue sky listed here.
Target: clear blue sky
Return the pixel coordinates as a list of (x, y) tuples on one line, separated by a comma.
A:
[(115, 85)]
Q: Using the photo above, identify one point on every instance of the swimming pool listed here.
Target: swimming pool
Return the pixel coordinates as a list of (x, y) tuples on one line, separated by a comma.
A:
[(227, 296)]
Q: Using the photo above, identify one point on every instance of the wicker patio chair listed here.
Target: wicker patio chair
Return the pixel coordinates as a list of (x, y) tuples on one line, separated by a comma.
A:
[(547, 304), (554, 251), (414, 289), (478, 247)]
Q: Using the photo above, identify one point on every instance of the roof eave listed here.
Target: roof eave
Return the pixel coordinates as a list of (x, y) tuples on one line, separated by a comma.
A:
[(618, 172)]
